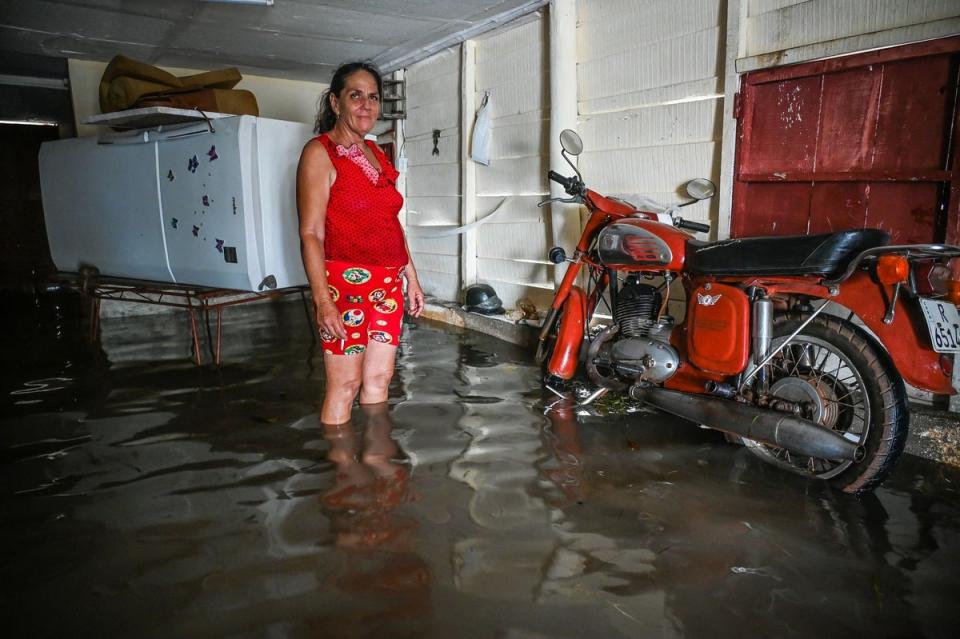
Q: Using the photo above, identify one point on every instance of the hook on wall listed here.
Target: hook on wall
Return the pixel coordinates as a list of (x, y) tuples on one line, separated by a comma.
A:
[(436, 140)]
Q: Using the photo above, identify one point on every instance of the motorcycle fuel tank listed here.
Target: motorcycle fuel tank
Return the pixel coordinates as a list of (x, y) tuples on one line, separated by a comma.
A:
[(642, 243), (718, 328)]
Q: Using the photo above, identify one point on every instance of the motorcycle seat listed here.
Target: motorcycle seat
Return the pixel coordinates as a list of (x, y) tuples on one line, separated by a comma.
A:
[(827, 254)]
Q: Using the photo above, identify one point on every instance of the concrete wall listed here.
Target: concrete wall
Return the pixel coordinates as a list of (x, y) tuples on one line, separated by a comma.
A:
[(278, 99), (650, 87)]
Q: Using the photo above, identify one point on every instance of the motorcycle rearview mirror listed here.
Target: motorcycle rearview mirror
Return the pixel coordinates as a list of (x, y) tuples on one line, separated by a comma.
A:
[(571, 142), (701, 189)]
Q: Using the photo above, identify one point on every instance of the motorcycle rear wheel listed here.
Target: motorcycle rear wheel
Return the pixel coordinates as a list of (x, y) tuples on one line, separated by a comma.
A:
[(850, 385)]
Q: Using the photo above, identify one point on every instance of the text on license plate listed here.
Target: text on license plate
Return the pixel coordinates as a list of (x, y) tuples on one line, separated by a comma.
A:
[(943, 322)]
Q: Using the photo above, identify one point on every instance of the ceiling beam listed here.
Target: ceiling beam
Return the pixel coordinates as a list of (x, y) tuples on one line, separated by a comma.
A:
[(388, 65)]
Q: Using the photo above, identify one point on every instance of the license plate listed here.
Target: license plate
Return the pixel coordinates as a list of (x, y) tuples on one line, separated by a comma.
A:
[(943, 322)]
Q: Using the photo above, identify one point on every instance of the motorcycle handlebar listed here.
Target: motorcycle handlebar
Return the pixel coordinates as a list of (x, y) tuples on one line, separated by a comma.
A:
[(693, 226), (559, 179), (571, 185)]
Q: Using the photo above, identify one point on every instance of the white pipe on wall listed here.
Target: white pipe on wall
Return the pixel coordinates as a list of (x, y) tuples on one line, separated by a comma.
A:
[(564, 218), (399, 144), (468, 168), (736, 42)]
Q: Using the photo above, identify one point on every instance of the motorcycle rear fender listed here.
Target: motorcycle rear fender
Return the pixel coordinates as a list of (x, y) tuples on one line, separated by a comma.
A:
[(905, 338), (566, 352)]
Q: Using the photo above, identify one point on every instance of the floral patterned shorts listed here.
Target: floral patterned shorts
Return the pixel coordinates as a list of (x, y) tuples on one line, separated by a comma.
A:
[(370, 301)]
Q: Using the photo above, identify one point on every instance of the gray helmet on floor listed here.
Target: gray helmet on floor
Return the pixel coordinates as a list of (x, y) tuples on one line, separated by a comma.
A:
[(481, 298)]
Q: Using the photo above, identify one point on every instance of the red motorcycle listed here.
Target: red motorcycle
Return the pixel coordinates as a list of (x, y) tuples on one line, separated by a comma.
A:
[(756, 355)]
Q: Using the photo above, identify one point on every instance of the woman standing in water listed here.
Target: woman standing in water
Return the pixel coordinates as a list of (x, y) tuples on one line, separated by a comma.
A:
[(354, 250)]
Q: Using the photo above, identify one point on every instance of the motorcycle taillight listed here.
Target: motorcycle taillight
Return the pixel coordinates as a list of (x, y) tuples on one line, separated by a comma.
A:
[(939, 279)]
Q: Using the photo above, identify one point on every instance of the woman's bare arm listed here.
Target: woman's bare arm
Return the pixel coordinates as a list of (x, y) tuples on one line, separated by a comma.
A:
[(315, 176), (414, 291)]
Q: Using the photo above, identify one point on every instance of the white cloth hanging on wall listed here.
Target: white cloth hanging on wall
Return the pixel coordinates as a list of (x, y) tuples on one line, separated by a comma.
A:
[(480, 146), (447, 231)]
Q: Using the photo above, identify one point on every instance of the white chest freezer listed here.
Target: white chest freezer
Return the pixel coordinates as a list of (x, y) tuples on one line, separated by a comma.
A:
[(181, 204)]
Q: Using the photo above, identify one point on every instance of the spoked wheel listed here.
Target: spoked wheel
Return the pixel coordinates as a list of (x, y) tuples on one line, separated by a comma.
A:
[(844, 381)]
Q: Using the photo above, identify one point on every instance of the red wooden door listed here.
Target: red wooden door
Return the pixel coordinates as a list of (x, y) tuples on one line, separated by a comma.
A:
[(863, 141)]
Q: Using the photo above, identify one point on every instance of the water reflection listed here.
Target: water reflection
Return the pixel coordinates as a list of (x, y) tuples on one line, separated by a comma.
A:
[(753, 543), (369, 479), (378, 547)]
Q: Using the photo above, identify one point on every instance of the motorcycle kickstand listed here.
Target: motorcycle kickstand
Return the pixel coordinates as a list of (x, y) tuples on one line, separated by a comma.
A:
[(600, 392), (558, 393)]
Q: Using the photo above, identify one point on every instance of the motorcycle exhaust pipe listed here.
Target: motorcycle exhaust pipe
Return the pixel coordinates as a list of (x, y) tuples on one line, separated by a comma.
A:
[(800, 436)]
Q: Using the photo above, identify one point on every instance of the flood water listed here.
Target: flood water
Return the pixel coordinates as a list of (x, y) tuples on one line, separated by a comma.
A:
[(143, 496)]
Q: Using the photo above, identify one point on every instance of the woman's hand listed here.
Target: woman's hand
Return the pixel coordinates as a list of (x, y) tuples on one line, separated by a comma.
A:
[(328, 319), (414, 298)]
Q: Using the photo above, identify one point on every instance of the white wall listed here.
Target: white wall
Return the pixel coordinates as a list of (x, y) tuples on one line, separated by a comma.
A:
[(786, 31), (650, 95), (650, 81), (433, 181), (278, 99), (510, 250), (513, 66)]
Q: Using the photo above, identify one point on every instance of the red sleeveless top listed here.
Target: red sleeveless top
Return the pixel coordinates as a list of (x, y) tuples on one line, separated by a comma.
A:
[(361, 222)]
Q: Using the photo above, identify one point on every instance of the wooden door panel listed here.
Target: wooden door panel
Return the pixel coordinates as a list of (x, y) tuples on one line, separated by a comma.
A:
[(784, 137), (862, 141), (838, 206), (906, 211), (775, 209), (914, 117), (848, 120)]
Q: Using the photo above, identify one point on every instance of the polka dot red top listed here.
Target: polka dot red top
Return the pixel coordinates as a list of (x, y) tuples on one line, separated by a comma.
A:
[(361, 222)]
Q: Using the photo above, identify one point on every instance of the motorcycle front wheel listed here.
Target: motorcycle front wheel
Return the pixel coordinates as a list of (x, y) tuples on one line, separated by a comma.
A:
[(847, 382)]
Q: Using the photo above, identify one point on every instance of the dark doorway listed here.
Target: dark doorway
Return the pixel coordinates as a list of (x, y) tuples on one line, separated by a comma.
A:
[(24, 254), (35, 107)]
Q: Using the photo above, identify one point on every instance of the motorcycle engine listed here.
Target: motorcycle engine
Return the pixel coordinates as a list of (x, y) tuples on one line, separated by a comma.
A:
[(637, 306), (637, 347)]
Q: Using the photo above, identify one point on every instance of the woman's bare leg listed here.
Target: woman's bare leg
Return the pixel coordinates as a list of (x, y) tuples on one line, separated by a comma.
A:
[(378, 364), (343, 373)]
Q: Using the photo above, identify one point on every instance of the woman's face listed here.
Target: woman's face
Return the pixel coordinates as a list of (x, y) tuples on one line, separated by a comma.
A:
[(358, 104)]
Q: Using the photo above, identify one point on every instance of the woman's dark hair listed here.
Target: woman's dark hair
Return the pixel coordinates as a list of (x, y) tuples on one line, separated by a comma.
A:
[(326, 118)]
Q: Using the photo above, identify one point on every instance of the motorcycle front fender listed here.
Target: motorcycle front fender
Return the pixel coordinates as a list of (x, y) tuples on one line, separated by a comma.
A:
[(566, 351)]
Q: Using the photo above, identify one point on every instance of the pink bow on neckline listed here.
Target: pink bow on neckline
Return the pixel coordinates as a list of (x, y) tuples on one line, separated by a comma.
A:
[(356, 155), (352, 152)]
